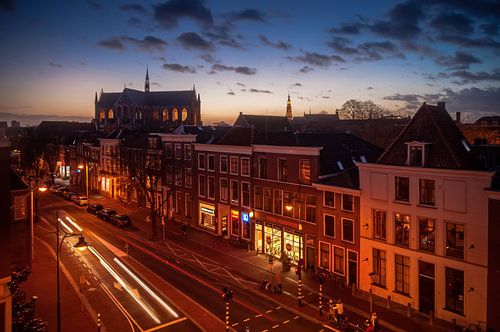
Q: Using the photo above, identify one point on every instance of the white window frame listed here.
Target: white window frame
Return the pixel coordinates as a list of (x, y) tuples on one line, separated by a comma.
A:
[(204, 166), (249, 193), (324, 200), (220, 164), (324, 226), (231, 192), (208, 187), (199, 185), (241, 166), (237, 165), (208, 162), (342, 202), (329, 254), (353, 230), (333, 260), (220, 190)]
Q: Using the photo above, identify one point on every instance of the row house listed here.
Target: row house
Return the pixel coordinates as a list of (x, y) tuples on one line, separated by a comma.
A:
[(424, 234), (109, 164)]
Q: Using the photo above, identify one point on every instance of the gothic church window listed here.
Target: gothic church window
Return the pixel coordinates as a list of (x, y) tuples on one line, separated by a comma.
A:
[(175, 114), (165, 115), (110, 114), (184, 114)]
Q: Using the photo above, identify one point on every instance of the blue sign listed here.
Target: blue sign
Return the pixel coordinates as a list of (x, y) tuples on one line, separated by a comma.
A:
[(245, 217)]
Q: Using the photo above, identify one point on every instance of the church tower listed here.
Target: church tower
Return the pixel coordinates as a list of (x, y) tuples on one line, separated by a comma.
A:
[(289, 108), (146, 83)]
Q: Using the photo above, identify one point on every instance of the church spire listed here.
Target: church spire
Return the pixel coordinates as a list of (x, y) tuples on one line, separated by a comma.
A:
[(95, 99), (289, 108), (146, 83)]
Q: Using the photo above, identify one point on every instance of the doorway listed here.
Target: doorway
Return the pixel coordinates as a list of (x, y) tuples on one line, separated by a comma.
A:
[(352, 268), (426, 284)]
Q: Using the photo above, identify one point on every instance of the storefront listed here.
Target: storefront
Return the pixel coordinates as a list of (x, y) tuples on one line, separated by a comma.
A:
[(235, 223), (276, 240), (207, 216), (293, 244)]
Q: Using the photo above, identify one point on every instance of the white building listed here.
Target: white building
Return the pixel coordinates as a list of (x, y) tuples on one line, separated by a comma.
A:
[(424, 221)]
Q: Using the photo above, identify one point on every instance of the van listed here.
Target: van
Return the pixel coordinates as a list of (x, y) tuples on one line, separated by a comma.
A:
[(81, 200)]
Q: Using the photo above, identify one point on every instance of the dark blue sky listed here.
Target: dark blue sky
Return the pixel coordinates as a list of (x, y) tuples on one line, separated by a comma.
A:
[(246, 56)]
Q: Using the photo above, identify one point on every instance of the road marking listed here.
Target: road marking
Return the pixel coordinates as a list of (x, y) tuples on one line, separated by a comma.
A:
[(264, 330), (278, 307), (269, 311), (286, 322), (296, 317), (167, 324), (256, 316), (275, 326), (235, 324), (246, 320), (331, 328)]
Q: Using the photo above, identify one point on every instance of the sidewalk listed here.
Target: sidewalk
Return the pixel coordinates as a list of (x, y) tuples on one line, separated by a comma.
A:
[(255, 268), (42, 283)]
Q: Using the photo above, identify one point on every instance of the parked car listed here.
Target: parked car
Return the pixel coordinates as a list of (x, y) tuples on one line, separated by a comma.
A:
[(81, 200), (62, 191), (71, 196), (121, 220), (94, 208), (106, 214), (55, 188)]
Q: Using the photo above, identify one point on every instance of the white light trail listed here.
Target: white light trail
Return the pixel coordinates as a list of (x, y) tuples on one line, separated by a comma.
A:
[(124, 284), (146, 288), (65, 226), (72, 222)]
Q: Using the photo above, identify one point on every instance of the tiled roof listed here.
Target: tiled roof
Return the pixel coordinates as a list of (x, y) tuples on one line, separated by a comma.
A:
[(204, 134), (152, 98), (242, 136), (264, 123), (446, 143)]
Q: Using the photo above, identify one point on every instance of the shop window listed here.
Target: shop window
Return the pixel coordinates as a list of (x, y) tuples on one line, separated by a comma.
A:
[(187, 151), (455, 240), (201, 161), (402, 274), (402, 229), (293, 244), (347, 230), (379, 267), (245, 229), (311, 208), (338, 260), (235, 223), (207, 216), (427, 192), (188, 177), (347, 202), (402, 189), (329, 199), (202, 185), (329, 225), (379, 225), (268, 199), (324, 260), (454, 290), (278, 206), (19, 207), (258, 198), (233, 165), (305, 171), (245, 166), (223, 164), (224, 190), (211, 162), (211, 187), (426, 234), (234, 192), (245, 194), (262, 168), (282, 170)]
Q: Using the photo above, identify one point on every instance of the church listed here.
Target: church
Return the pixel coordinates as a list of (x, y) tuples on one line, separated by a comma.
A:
[(147, 110)]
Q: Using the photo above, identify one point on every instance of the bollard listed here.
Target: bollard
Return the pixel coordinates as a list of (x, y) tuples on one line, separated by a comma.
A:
[(227, 316), (299, 297), (98, 322), (408, 311), (431, 318), (321, 299), (388, 304), (370, 299), (353, 289)]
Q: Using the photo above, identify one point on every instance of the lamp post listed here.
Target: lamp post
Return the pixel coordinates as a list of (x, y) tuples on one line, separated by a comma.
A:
[(300, 262), (86, 178), (80, 245)]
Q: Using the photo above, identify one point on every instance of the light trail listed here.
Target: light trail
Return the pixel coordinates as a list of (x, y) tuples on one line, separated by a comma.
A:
[(143, 285), (65, 226), (124, 284), (72, 222)]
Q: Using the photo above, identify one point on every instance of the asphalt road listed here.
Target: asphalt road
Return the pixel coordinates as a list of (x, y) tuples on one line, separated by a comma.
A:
[(194, 275)]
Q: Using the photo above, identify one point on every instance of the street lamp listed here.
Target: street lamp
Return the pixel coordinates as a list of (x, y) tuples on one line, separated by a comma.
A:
[(80, 245), (86, 178), (289, 208)]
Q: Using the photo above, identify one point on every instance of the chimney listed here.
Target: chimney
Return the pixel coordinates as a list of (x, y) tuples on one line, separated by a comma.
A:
[(442, 104), (457, 119)]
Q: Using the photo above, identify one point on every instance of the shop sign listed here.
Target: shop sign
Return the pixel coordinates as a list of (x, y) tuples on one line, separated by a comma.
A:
[(235, 214), (207, 210), (268, 239), (288, 247), (245, 217)]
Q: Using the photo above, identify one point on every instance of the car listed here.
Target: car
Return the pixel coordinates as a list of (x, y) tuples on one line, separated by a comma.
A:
[(106, 214), (81, 200), (71, 196), (62, 191), (94, 208), (54, 188), (121, 220)]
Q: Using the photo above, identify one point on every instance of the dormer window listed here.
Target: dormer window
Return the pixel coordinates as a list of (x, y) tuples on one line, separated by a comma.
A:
[(416, 154)]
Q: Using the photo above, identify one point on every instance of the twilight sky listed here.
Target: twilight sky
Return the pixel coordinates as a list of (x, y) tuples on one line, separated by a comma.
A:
[(245, 56)]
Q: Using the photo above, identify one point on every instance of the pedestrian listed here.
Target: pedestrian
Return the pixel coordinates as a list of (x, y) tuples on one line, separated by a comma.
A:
[(184, 228), (279, 283), (374, 326)]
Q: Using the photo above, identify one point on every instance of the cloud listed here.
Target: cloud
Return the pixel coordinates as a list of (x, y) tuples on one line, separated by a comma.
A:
[(297, 85), (7, 5), (491, 29), (114, 43), (453, 23), (134, 21), (55, 65), (239, 70), (401, 22), (279, 44), (325, 97), (148, 43), (259, 91), (155, 84), (208, 58), (369, 88), (348, 29), (465, 76), (133, 7), (179, 68), (191, 40), (167, 14), (341, 45), (316, 59), (231, 93), (240, 84), (223, 34), (486, 42), (474, 100), (460, 60), (305, 69), (255, 15), (95, 5), (10, 107)]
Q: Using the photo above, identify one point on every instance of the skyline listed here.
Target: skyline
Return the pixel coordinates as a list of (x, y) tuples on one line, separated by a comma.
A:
[(396, 53)]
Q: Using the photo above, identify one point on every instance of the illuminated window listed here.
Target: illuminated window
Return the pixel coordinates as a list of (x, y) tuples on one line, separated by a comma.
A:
[(110, 114), (164, 116), (184, 114), (101, 115), (175, 114)]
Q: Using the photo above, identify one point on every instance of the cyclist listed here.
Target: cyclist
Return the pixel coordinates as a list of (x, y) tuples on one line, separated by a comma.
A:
[(338, 311)]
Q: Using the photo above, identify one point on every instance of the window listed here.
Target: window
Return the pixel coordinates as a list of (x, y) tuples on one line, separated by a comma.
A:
[(347, 202), (282, 170), (211, 187), (178, 202), (268, 199), (278, 206), (187, 151), (245, 194), (338, 260), (426, 234), (329, 199), (223, 190), (305, 171), (403, 274), (347, 230), (379, 268), (426, 190), (262, 168), (234, 192), (245, 166), (233, 165), (211, 162), (169, 150), (402, 189), (258, 198), (311, 208), (454, 290), (324, 259), (223, 164), (178, 151), (416, 156), (329, 225), (455, 240), (19, 207), (188, 178), (202, 185), (287, 203), (201, 161), (402, 228), (379, 224), (187, 205), (178, 176)]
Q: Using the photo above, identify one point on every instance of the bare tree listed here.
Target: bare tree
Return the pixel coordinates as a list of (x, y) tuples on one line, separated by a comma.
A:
[(360, 110)]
